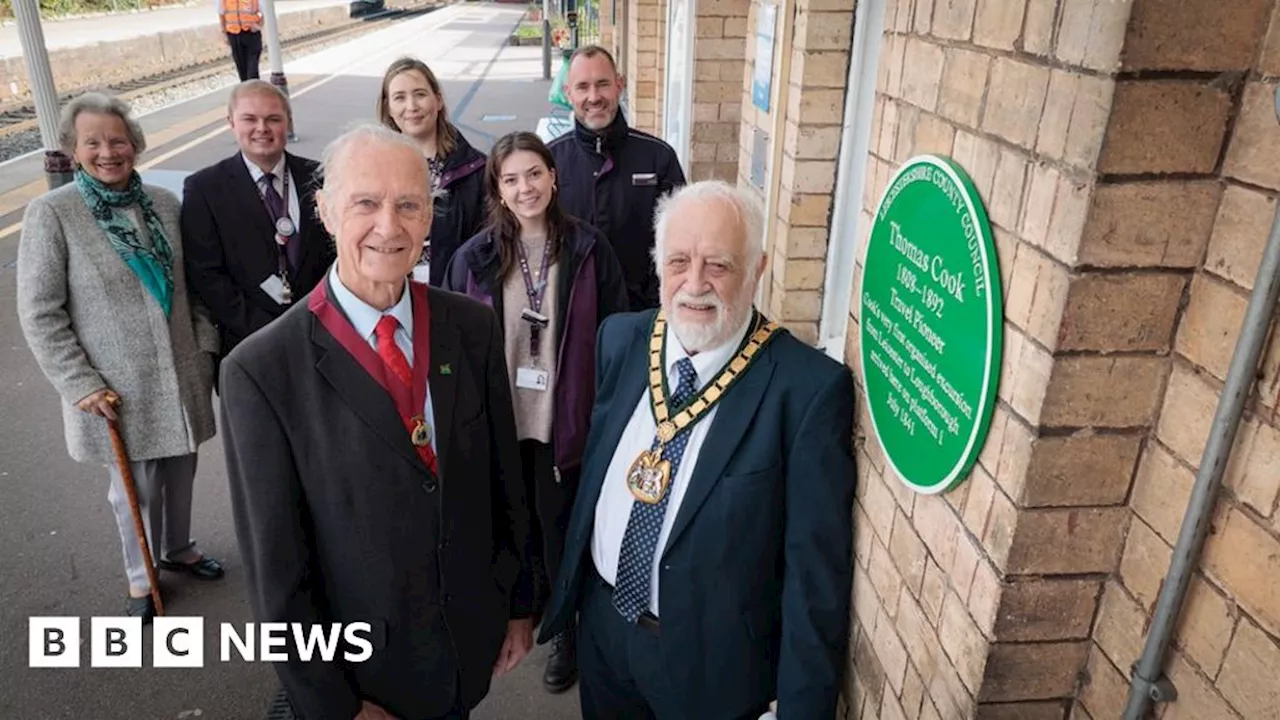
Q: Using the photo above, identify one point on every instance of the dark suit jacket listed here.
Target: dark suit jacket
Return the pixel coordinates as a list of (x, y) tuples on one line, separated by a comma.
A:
[(338, 519), (755, 578), (230, 244)]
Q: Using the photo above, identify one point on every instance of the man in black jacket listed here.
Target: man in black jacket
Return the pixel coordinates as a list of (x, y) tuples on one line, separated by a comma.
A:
[(373, 463), (254, 243), (612, 175)]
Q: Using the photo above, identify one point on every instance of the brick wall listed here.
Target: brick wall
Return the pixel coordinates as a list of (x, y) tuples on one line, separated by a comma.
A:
[(1127, 153), (646, 56), (1217, 131), (980, 602), (719, 57), (814, 103)]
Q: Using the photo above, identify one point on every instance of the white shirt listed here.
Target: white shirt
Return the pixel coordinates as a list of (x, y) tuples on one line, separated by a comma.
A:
[(613, 509), (364, 318), (279, 171)]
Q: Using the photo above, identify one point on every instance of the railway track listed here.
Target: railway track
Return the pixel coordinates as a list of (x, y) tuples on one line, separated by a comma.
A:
[(19, 119)]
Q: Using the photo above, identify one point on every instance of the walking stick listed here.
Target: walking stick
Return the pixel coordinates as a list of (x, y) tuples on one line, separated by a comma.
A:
[(126, 478)]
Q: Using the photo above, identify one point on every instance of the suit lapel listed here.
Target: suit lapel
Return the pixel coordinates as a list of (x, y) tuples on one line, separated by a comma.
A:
[(247, 200), (362, 393), (446, 353), (631, 384), (733, 418)]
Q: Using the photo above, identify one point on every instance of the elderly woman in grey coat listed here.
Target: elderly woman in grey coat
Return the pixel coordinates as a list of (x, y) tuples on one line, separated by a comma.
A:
[(104, 306)]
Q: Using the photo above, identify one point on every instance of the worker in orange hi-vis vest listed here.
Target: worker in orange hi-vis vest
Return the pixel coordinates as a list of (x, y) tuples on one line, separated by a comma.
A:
[(241, 20)]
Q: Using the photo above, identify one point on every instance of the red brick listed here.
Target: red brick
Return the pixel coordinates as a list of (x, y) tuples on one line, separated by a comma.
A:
[(1100, 391), (1032, 671), (1194, 34), (1083, 468), (1041, 609), (1165, 126), (1068, 541), (1149, 224), (1109, 312)]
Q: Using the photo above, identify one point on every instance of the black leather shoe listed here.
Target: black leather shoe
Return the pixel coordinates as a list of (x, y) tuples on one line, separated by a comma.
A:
[(206, 568), (562, 666), (140, 607)]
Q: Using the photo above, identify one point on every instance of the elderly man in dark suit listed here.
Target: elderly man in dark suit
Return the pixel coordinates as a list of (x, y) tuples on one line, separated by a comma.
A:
[(375, 473), (255, 244), (710, 549)]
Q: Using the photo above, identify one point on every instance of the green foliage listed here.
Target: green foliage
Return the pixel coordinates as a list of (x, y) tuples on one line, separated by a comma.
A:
[(58, 8)]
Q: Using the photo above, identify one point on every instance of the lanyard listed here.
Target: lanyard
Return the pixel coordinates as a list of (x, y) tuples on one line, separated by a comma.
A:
[(282, 241), (535, 291)]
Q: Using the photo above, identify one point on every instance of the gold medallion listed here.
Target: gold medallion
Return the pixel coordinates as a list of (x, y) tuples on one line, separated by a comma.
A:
[(649, 477), (666, 431), (421, 434)]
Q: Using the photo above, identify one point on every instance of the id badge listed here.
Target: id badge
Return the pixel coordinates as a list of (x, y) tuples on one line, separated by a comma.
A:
[(532, 378), (644, 179), (274, 288)]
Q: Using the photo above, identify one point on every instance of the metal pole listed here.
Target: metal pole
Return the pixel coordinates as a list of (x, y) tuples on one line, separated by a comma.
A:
[(271, 27), (1148, 685), (57, 166), (546, 39)]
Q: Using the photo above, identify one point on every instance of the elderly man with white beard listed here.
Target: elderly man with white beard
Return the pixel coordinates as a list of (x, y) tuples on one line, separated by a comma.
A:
[(709, 553)]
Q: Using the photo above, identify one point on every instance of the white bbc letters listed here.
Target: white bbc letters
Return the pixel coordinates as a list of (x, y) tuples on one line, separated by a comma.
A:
[(177, 642), (53, 642), (115, 642)]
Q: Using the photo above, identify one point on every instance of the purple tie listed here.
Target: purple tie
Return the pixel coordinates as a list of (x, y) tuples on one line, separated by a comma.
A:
[(277, 209)]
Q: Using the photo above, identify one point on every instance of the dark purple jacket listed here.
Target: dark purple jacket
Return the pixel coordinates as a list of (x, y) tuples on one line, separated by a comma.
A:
[(589, 289), (459, 214)]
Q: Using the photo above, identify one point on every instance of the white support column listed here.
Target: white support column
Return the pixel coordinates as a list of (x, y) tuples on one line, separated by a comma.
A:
[(271, 27), (57, 166)]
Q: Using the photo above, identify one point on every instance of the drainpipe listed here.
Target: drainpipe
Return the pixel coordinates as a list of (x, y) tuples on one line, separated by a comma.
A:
[(1149, 685)]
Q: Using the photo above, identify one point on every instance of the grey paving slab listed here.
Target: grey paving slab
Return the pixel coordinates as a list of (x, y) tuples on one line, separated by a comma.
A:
[(58, 549)]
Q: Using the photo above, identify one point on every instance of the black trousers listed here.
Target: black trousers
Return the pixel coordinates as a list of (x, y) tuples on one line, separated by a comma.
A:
[(621, 672), (246, 51), (550, 497)]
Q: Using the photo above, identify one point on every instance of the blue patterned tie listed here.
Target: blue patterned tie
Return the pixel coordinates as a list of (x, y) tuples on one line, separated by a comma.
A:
[(640, 541)]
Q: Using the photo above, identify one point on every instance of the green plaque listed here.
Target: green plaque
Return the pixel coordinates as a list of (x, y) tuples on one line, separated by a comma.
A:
[(930, 324)]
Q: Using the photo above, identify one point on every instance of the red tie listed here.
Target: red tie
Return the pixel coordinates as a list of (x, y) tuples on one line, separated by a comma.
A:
[(390, 352), (393, 357)]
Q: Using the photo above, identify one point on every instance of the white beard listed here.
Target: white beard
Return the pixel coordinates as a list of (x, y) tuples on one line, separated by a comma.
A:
[(701, 337)]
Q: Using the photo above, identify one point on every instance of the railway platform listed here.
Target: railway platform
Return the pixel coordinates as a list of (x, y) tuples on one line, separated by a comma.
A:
[(54, 518)]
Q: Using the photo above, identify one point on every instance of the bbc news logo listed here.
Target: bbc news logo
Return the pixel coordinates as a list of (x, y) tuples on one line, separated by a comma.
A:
[(178, 642)]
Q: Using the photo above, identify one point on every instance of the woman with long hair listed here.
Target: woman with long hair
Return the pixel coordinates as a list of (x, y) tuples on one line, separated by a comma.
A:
[(551, 279), (411, 103)]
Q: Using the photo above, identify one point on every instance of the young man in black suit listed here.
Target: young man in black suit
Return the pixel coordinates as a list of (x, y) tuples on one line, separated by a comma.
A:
[(254, 242)]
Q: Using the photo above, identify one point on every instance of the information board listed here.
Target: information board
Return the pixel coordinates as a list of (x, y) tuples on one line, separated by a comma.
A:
[(930, 324)]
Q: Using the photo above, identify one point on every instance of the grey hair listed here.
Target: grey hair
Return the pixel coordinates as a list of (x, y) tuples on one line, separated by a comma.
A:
[(98, 104), (745, 205), (333, 160)]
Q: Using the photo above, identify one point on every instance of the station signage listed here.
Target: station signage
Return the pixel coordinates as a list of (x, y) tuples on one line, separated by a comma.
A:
[(930, 324)]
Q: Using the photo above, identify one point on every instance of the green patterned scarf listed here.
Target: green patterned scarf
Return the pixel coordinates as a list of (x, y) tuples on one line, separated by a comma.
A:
[(153, 265)]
